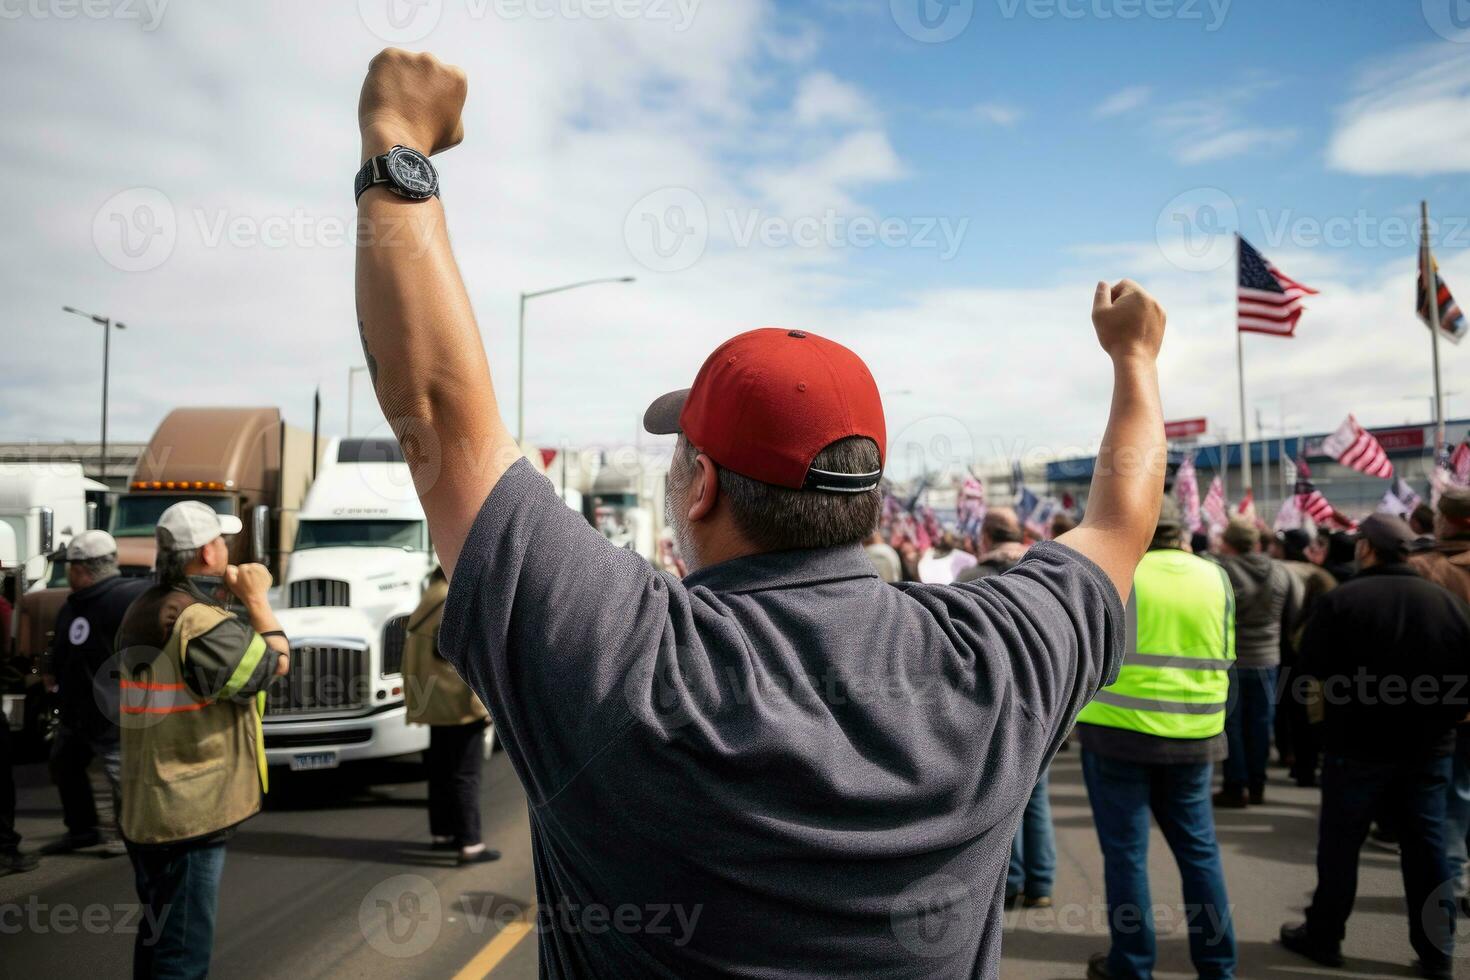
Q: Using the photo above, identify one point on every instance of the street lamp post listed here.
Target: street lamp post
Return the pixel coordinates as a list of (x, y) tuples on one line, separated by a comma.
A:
[(521, 344), (107, 326)]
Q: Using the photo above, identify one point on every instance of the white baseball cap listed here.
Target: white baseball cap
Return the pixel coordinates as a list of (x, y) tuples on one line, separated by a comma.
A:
[(90, 544), (191, 524)]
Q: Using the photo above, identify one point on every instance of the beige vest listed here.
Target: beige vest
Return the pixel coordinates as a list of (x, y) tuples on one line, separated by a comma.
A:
[(432, 692), (190, 766)]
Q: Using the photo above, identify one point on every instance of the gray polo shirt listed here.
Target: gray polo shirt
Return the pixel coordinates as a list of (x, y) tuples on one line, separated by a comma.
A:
[(779, 766)]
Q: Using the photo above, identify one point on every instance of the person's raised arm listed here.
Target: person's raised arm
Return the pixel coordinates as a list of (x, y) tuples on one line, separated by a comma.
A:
[(1128, 482), (419, 336)]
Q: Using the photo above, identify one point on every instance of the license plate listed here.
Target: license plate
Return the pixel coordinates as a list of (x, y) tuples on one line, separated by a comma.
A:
[(313, 760)]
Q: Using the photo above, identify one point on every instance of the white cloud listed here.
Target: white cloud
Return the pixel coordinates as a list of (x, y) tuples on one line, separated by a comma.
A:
[(1411, 115), (1205, 128), (822, 98), (981, 114), (1124, 100)]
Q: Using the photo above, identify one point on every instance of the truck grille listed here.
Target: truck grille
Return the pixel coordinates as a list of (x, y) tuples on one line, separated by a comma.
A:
[(322, 679), (394, 636), (320, 592)]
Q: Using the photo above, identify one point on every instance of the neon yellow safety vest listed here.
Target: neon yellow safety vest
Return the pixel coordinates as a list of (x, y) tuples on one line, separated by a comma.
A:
[(1175, 679)]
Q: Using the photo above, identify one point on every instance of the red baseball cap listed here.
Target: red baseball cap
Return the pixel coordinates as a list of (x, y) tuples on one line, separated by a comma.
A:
[(766, 402)]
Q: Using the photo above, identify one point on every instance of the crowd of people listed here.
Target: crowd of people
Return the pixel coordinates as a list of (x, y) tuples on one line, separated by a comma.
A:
[(1346, 652)]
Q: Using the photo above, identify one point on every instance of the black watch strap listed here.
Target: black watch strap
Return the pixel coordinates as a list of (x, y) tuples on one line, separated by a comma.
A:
[(374, 171)]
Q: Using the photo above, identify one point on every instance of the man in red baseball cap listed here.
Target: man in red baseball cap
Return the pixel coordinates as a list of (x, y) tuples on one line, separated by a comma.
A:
[(778, 765)]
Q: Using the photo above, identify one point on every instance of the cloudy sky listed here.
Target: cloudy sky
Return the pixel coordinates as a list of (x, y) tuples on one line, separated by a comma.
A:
[(936, 183)]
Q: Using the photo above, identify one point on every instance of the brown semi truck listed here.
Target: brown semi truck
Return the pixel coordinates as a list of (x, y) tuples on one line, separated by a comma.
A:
[(242, 461)]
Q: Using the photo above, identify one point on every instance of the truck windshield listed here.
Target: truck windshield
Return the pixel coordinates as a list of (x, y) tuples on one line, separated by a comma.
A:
[(136, 514), (408, 535)]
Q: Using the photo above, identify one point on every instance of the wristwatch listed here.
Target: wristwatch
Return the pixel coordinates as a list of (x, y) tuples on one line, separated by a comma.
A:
[(405, 171)]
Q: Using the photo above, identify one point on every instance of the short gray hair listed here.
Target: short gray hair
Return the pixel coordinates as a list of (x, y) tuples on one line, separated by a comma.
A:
[(99, 568), (173, 565), (778, 518)]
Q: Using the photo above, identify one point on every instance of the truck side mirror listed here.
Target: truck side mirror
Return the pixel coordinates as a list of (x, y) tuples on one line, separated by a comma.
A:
[(260, 521), (47, 520), (91, 515)]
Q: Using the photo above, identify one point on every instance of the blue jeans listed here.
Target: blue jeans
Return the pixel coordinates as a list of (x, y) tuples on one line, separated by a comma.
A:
[(1248, 726), (1034, 851), (1123, 794), (1414, 791), (1457, 817), (179, 888)]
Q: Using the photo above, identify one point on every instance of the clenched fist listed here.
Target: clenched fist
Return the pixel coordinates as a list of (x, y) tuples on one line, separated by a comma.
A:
[(410, 99), (1128, 320), (249, 582)]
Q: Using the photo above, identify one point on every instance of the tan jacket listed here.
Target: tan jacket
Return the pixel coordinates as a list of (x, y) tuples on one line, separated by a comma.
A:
[(1447, 565), (193, 764), (432, 691)]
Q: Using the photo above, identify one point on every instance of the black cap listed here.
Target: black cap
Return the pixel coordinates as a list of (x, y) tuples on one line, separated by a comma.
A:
[(1390, 536)]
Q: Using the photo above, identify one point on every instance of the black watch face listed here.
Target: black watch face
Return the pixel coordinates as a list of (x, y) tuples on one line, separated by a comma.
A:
[(411, 173)]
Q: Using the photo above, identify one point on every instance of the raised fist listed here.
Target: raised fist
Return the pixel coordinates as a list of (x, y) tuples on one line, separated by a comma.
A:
[(1128, 320), (411, 99), (249, 582)]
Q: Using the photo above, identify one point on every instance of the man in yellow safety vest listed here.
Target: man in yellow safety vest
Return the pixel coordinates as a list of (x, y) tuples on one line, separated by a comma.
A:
[(1149, 742)]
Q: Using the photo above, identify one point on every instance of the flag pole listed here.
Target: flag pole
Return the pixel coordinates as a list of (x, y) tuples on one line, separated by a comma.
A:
[(1245, 439), (1431, 299)]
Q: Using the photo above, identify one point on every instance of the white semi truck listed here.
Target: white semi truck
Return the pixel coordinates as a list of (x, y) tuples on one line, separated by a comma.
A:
[(361, 558)]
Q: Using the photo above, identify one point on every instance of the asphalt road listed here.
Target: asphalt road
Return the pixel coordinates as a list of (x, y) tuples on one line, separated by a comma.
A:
[(334, 879)]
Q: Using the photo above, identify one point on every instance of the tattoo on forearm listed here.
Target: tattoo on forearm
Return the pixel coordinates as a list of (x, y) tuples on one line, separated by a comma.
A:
[(367, 353)]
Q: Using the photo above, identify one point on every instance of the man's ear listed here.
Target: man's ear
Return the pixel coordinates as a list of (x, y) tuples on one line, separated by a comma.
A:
[(704, 488)]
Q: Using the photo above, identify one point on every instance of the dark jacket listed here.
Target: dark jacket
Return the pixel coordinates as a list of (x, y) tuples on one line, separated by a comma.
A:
[(81, 651), (1392, 652), (1263, 603)]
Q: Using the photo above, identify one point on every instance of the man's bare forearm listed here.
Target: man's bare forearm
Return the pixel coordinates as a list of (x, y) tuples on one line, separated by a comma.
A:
[(418, 331), (1128, 480)]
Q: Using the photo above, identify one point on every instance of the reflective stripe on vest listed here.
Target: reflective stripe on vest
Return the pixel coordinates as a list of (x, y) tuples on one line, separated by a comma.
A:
[(1175, 679)]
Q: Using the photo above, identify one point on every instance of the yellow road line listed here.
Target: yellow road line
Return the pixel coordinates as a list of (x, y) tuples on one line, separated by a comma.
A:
[(497, 949)]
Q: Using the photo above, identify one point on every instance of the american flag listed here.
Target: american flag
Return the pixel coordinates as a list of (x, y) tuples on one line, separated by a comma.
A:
[(1399, 500), (1268, 301), (1460, 463), (1309, 499), (1451, 319), (1214, 507), (1186, 488), (1354, 446)]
